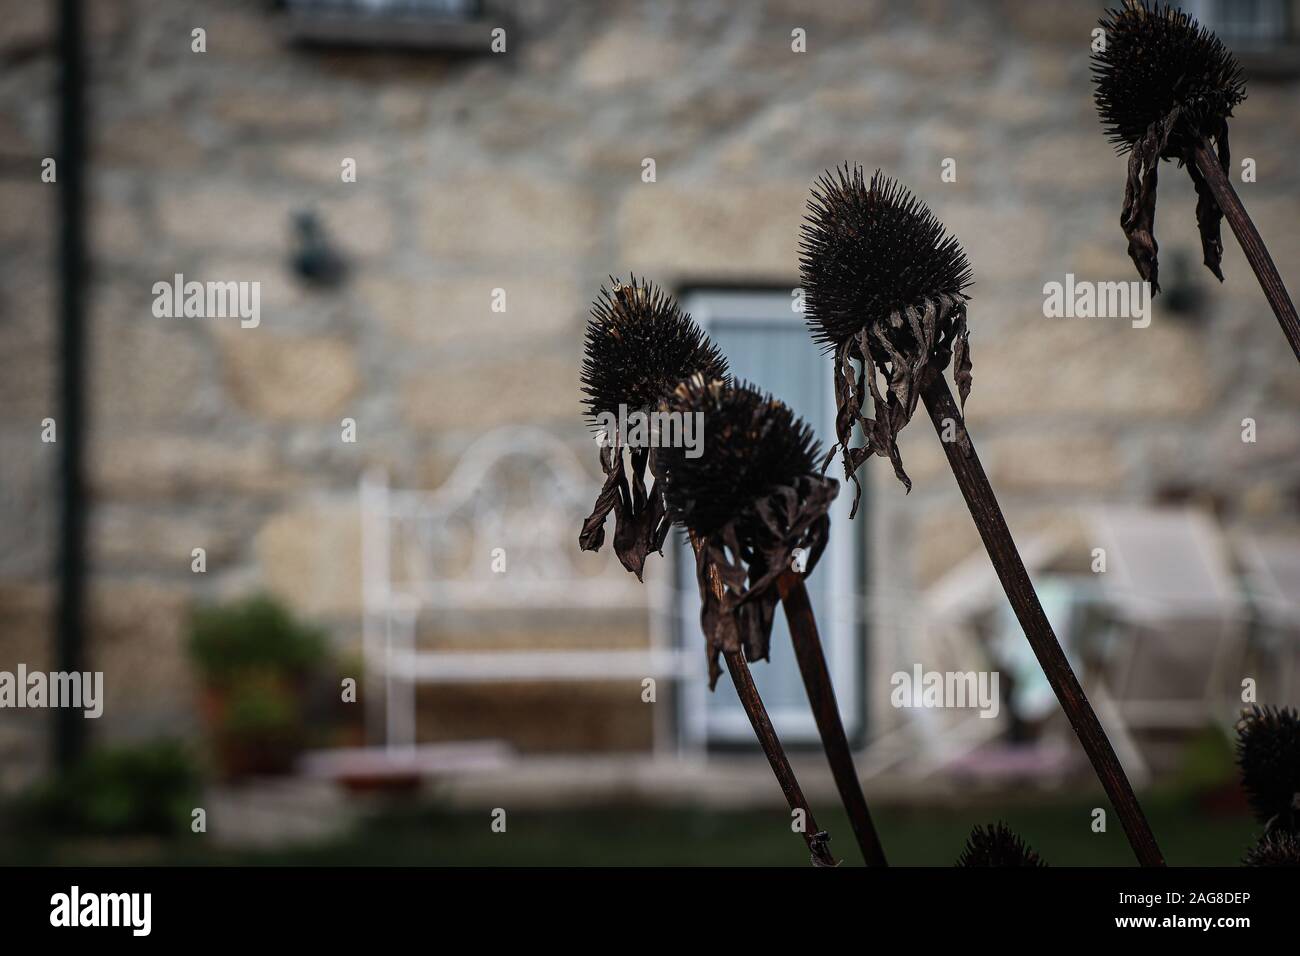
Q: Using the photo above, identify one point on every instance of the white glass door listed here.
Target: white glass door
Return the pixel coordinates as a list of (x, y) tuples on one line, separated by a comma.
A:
[(766, 343)]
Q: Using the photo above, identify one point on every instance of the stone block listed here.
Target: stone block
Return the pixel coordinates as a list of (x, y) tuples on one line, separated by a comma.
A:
[(288, 377), (310, 556)]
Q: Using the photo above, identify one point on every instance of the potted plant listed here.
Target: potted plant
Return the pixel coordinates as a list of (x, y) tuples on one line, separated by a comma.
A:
[(254, 660)]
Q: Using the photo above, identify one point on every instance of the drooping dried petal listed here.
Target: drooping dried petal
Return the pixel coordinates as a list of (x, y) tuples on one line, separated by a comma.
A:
[(1209, 216), (792, 518), (1138, 216), (612, 494), (878, 357), (961, 358)]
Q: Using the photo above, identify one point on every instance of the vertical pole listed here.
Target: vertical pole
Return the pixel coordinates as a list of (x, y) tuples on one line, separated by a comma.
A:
[(69, 727)]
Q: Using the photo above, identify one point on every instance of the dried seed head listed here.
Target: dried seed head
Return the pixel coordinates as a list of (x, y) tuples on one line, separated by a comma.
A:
[(1268, 753), (752, 444), (870, 251), (751, 499), (639, 345), (1156, 60), (1165, 85), (1275, 848), (884, 287), (997, 845)]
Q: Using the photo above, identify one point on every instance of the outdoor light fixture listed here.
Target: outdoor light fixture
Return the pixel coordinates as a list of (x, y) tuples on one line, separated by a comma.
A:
[(1183, 297), (314, 259)]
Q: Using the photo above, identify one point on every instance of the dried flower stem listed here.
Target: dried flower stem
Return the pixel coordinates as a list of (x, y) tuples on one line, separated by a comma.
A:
[(983, 505), (817, 840), (1251, 243), (821, 696)]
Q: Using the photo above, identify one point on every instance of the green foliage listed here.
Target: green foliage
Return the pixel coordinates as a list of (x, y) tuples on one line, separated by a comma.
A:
[(255, 635), (1206, 761), (260, 706), (146, 789)]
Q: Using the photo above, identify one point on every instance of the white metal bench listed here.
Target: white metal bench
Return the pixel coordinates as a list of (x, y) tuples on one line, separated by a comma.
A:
[(517, 495)]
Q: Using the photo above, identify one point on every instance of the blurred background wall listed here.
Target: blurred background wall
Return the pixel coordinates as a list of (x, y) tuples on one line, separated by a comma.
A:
[(522, 171)]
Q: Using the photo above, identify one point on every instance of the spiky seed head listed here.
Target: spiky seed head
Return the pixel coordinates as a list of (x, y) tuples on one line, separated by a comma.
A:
[(997, 845), (867, 251), (752, 444), (1268, 753), (639, 345), (1157, 58), (1275, 848)]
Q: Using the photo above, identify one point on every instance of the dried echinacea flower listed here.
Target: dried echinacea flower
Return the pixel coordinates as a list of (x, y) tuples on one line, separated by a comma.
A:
[(748, 501), (871, 294), (1164, 85), (639, 345), (883, 286), (1275, 848), (1165, 89), (997, 845), (752, 500), (1268, 754)]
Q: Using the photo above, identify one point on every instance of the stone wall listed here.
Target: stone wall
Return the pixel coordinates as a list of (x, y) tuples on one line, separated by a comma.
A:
[(522, 171)]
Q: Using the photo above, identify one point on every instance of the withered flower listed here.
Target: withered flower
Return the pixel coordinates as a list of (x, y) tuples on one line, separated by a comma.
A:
[(639, 345), (1164, 85), (1268, 754), (884, 286), (1275, 848), (748, 501), (997, 845)]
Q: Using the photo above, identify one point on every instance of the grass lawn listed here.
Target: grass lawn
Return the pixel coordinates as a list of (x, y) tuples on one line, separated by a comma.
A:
[(642, 836)]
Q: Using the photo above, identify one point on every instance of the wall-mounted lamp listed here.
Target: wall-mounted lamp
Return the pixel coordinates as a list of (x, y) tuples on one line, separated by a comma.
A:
[(1182, 293), (313, 259)]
